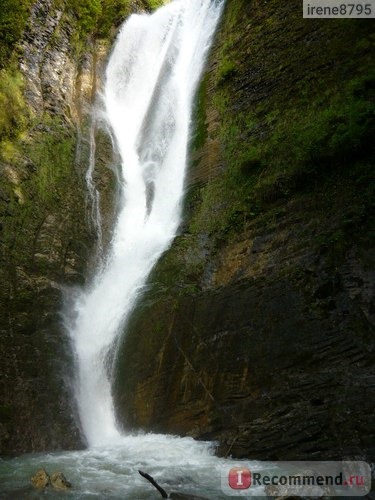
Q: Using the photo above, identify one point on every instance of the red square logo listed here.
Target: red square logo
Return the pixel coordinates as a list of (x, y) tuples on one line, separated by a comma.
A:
[(239, 478)]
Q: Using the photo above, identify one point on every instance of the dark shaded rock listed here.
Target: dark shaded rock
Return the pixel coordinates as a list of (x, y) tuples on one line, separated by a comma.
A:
[(244, 365)]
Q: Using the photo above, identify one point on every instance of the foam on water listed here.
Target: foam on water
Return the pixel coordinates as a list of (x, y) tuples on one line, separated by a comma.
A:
[(178, 464)]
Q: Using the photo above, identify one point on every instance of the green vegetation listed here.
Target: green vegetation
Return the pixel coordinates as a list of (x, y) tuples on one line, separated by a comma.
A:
[(296, 130), (113, 12), (53, 156), (13, 19), (94, 17), (88, 13), (98, 17), (14, 113), (200, 126), (154, 4), (226, 69), (333, 135), (301, 150)]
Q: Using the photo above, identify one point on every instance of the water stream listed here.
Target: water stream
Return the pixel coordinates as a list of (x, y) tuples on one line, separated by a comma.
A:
[(151, 79)]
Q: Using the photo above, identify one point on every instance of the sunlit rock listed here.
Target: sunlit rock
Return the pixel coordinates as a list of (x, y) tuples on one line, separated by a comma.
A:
[(41, 479), (59, 481)]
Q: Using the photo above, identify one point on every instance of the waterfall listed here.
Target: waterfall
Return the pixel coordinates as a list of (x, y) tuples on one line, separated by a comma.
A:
[(150, 82)]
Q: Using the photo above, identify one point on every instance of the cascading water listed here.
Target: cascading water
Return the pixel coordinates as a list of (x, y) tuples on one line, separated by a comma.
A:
[(150, 83)]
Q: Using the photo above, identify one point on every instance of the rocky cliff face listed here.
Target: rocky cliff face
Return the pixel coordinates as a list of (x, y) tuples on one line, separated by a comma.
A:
[(47, 237), (257, 327), (47, 61)]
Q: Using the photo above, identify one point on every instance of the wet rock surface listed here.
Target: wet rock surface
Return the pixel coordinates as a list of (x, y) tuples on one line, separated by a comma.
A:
[(59, 481), (41, 479), (56, 480)]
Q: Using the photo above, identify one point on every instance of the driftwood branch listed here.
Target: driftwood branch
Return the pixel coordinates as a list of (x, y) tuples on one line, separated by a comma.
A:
[(162, 492)]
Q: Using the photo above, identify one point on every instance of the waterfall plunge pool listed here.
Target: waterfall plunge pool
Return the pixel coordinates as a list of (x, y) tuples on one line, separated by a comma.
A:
[(179, 465)]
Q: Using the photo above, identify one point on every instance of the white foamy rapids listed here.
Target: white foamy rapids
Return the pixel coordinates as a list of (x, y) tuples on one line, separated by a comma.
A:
[(150, 83), (180, 465)]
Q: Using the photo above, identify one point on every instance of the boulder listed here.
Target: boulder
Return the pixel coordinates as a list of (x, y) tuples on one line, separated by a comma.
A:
[(41, 479), (59, 481)]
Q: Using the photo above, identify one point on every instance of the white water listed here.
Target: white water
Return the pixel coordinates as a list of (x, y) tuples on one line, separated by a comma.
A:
[(150, 83), (179, 465)]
